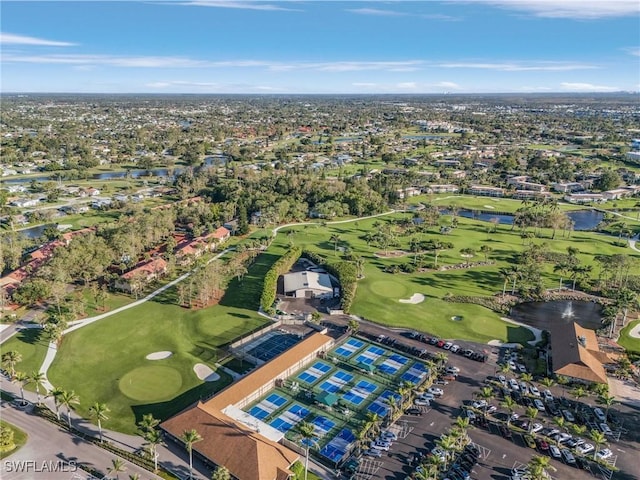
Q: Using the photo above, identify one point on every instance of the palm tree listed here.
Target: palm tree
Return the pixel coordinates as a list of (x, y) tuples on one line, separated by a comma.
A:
[(69, 398), (531, 413), (576, 429), (148, 423), (37, 378), (599, 439), (537, 467), (506, 274), (548, 382), (117, 466), (221, 473), (447, 444), (578, 393), (606, 400), (485, 393), (306, 430), (394, 406), (560, 422), (154, 440), (335, 238), (56, 393), (563, 381), (189, 437), (563, 268), (486, 250), (9, 361), (510, 404), (99, 412), (22, 379), (526, 377), (135, 476), (441, 358)]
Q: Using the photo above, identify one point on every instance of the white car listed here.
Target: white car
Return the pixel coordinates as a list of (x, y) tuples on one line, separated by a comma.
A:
[(502, 379), (455, 348), (373, 452), (453, 369), (438, 452), (536, 427), (538, 404), (534, 391), (389, 436), (604, 454), (491, 409), (548, 397), (584, 448), (604, 428), (479, 404), (554, 451), (421, 402), (380, 445), (438, 392), (447, 345), (513, 385)]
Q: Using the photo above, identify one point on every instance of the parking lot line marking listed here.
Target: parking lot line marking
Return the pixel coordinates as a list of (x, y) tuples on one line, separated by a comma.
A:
[(620, 450)]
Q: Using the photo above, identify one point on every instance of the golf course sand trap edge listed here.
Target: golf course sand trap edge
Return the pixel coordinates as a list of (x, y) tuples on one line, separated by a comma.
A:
[(491, 207), (205, 373), (159, 355), (635, 331), (415, 298)]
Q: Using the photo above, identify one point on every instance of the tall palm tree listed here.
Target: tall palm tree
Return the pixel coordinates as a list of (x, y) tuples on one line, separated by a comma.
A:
[(117, 467), (606, 400), (510, 404), (67, 399), (485, 393), (448, 444), (154, 440), (599, 439), (560, 422), (442, 358), (189, 437), (335, 238), (148, 423), (37, 378), (99, 411), (22, 379), (578, 393), (532, 414), (538, 466), (9, 361), (306, 430), (56, 393)]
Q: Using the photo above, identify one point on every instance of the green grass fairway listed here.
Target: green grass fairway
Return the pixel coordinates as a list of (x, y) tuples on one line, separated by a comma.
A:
[(630, 343), (389, 289), (32, 345), (152, 383)]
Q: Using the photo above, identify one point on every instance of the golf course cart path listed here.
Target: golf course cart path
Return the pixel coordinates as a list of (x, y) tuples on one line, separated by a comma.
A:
[(335, 222), (53, 349), (159, 355), (204, 372), (632, 242), (537, 333), (415, 298)]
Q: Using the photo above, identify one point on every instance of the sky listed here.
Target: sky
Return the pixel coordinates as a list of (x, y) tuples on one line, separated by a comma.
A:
[(324, 46)]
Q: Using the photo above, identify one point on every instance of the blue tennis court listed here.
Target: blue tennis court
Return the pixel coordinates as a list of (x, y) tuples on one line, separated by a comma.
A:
[(337, 448), (312, 374), (329, 387), (258, 413), (282, 425), (336, 382), (349, 347), (370, 355), (366, 386), (353, 397), (272, 345), (380, 405), (392, 364), (287, 420), (415, 374), (276, 399), (322, 425), (376, 350)]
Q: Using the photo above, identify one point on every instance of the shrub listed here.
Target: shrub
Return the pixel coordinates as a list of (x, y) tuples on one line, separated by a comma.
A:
[(344, 271), (281, 266)]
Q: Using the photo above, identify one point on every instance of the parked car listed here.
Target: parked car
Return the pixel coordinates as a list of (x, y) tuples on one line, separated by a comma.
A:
[(604, 428), (440, 382), (543, 446), (447, 345), (377, 445), (455, 348), (567, 456), (521, 368), (538, 404), (413, 411), (389, 436), (562, 437), (440, 344), (468, 353), (502, 379), (536, 427), (438, 392), (568, 416), (504, 431), (575, 442), (479, 403), (584, 448), (604, 454), (529, 441), (373, 452), (599, 414), (548, 397), (452, 369), (491, 409), (433, 340), (513, 384), (534, 391), (421, 402), (554, 451), (470, 415)]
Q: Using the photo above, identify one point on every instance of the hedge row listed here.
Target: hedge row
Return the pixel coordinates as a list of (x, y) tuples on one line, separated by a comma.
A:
[(280, 267), (345, 272)]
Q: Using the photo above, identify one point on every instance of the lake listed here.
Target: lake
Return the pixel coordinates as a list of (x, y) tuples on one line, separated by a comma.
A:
[(541, 314), (582, 219)]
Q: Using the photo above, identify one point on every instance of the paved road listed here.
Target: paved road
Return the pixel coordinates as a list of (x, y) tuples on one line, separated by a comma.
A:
[(52, 453)]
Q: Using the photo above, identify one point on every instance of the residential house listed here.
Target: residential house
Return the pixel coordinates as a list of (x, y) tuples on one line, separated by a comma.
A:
[(143, 273), (433, 188), (486, 191), (568, 187), (408, 192), (581, 198), (530, 195)]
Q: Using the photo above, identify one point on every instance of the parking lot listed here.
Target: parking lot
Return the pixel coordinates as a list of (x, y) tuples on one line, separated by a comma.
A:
[(418, 434)]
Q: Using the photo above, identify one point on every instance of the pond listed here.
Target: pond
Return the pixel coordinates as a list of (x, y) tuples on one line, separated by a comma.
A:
[(541, 314), (582, 219)]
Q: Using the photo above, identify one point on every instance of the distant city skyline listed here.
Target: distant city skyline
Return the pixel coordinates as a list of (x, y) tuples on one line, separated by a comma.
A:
[(306, 47)]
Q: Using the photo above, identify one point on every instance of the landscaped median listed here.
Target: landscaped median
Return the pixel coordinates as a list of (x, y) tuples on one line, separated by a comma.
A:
[(11, 439)]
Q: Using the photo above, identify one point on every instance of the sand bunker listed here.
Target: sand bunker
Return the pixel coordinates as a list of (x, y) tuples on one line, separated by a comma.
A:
[(635, 331), (490, 207), (415, 298), (457, 318), (159, 355), (205, 373)]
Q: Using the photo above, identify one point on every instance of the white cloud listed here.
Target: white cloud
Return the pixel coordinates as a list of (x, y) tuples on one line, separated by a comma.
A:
[(449, 85), (587, 87), (240, 5), (376, 12), (11, 39), (520, 67), (577, 9), (635, 51)]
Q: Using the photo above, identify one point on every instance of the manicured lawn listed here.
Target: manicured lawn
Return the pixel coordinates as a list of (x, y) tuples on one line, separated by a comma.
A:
[(472, 202), (630, 343), (32, 345), (19, 439), (378, 294)]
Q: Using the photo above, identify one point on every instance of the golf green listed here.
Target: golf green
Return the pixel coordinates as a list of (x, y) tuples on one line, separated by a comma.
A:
[(389, 289), (152, 383)]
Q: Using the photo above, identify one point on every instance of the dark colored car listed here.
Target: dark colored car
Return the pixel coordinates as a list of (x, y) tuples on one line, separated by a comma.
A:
[(504, 431), (413, 411)]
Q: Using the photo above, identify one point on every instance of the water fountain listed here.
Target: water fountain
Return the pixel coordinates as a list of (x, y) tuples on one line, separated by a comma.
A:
[(568, 311)]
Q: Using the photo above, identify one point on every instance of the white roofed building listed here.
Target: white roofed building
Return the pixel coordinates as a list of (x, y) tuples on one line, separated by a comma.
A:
[(308, 285)]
